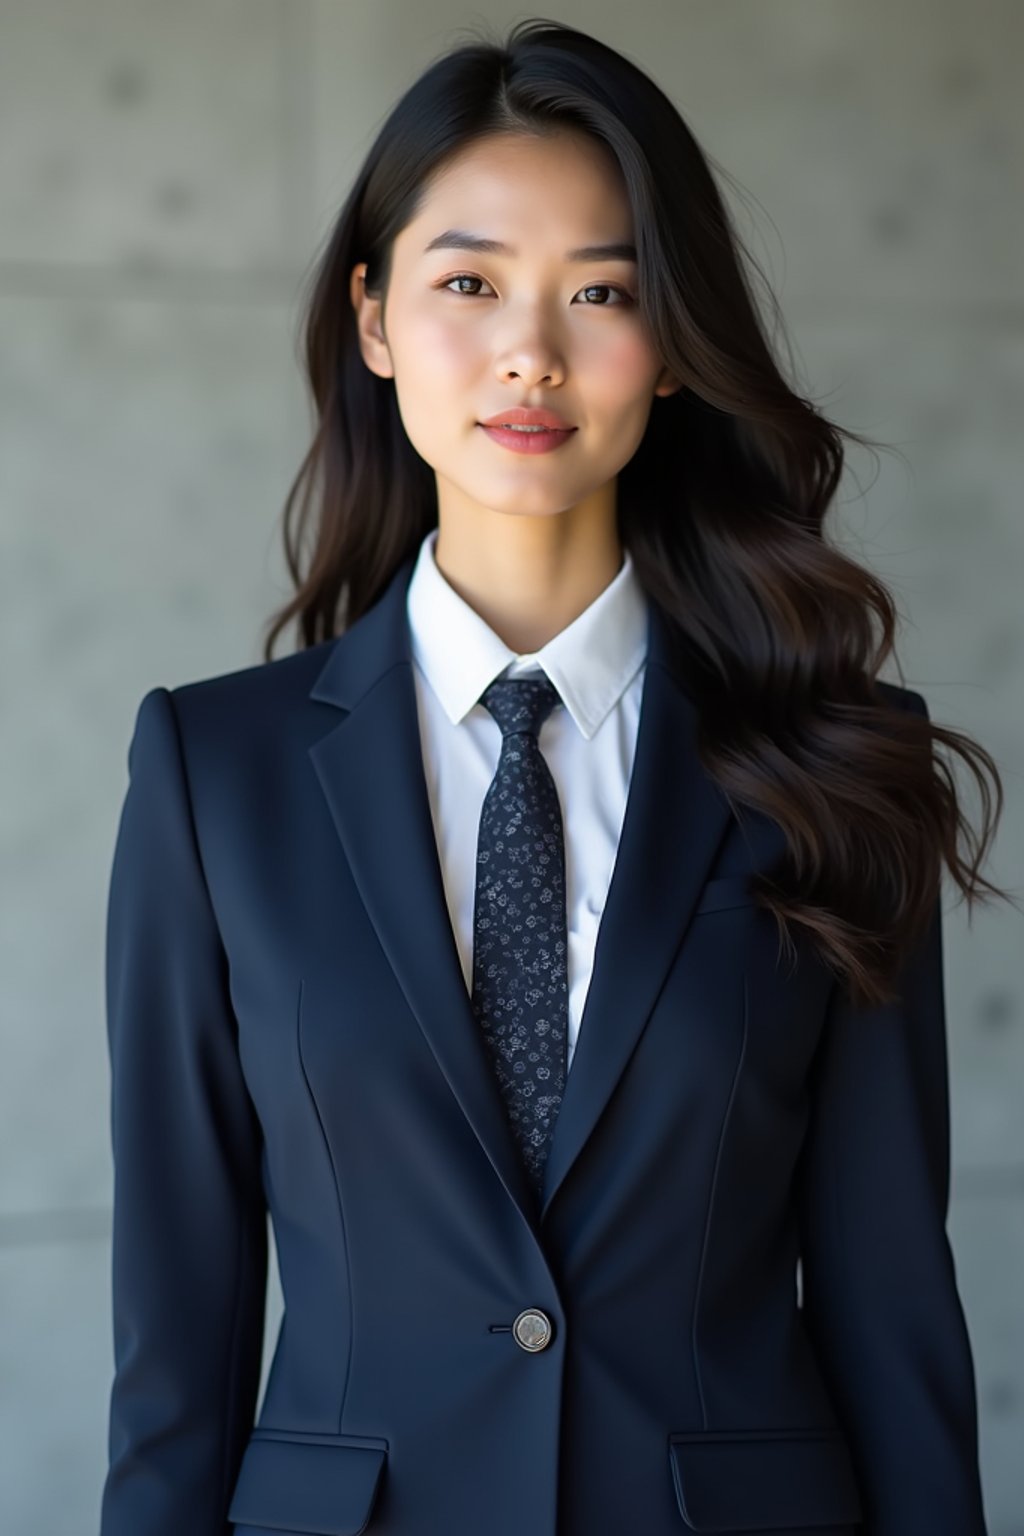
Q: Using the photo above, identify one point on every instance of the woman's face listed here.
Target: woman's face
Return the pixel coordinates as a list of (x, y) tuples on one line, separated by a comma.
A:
[(527, 326)]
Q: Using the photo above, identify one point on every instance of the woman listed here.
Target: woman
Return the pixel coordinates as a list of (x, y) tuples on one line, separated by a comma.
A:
[(586, 709)]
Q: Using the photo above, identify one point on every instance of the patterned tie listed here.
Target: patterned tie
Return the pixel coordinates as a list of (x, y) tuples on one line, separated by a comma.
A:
[(520, 954)]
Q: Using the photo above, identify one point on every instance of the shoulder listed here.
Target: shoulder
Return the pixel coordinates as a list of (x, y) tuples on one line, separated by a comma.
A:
[(241, 715), (264, 686)]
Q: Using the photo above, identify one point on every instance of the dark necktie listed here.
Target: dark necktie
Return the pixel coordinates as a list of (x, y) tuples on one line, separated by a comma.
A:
[(520, 992)]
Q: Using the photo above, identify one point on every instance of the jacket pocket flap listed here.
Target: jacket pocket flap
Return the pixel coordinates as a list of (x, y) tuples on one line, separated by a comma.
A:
[(322, 1484), (763, 1480)]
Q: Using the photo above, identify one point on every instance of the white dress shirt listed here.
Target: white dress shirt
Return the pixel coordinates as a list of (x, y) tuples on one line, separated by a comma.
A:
[(597, 663)]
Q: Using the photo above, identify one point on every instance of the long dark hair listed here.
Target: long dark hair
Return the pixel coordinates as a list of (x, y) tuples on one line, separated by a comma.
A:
[(721, 507)]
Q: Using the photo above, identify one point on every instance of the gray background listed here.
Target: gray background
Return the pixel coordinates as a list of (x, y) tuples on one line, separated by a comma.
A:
[(166, 172)]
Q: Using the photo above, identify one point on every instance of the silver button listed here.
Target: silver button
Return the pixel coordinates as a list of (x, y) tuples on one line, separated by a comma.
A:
[(532, 1329)]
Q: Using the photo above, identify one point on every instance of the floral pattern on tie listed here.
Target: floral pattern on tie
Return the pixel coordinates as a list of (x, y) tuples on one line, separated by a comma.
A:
[(520, 993)]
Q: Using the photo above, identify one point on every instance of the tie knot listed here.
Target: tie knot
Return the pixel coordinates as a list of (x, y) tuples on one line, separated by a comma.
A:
[(520, 704)]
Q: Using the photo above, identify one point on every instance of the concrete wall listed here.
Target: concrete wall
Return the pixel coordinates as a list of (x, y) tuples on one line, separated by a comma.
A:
[(165, 173)]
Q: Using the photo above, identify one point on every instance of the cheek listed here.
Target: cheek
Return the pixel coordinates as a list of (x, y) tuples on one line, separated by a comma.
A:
[(436, 367), (621, 367), (437, 349)]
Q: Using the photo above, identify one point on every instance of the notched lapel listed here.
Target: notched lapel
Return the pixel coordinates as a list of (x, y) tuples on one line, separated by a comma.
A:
[(675, 820), (370, 767)]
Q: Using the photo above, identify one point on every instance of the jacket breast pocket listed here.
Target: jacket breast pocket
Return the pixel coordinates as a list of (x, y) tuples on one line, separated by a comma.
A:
[(765, 1480), (306, 1484)]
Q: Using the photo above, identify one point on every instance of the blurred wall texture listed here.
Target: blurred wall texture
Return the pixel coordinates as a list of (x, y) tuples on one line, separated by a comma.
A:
[(166, 172)]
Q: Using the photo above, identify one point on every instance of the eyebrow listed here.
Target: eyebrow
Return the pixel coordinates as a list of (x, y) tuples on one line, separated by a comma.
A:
[(462, 240)]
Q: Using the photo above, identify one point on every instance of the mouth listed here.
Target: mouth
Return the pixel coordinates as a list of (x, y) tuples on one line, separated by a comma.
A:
[(527, 439)]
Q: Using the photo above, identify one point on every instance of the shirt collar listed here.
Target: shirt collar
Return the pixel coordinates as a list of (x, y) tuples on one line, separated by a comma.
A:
[(591, 661)]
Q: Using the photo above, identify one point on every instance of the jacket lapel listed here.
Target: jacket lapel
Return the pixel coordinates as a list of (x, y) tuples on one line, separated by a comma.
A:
[(675, 820), (370, 767)]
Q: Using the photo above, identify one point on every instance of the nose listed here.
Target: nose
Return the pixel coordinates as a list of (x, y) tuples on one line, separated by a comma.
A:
[(531, 371), (532, 360)]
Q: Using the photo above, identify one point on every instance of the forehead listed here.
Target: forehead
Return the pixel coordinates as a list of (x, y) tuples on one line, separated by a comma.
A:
[(520, 189)]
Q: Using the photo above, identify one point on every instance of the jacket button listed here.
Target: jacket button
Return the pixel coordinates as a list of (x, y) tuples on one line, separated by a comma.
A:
[(532, 1329)]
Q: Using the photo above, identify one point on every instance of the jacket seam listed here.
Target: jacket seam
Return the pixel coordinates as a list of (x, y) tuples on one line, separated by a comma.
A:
[(711, 1204), (228, 1436), (337, 1196)]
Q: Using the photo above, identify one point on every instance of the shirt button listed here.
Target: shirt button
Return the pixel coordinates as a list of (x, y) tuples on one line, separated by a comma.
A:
[(532, 1329)]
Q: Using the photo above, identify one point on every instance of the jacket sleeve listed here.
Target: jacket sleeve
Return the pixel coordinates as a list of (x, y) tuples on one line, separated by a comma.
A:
[(880, 1296), (190, 1226)]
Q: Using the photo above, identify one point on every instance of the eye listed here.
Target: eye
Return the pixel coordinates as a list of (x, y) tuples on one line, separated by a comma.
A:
[(462, 277), (468, 277), (606, 288)]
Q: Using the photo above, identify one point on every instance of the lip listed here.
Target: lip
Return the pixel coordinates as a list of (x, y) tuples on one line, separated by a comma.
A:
[(527, 416), (528, 442)]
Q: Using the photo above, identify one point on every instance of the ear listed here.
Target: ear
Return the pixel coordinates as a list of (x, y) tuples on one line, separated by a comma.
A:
[(667, 383), (372, 344)]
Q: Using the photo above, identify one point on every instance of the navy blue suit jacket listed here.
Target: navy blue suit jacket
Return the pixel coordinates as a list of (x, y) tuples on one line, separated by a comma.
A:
[(290, 1031)]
